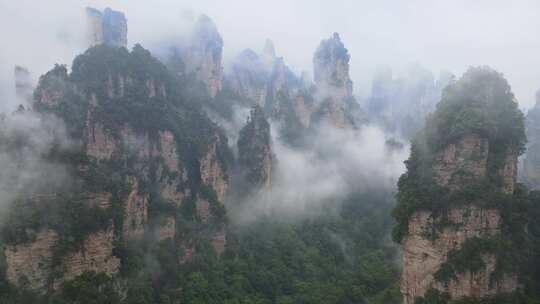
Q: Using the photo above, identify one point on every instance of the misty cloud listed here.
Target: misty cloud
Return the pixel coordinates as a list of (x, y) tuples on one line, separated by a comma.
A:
[(26, 139), (339, 163), (449, 35)]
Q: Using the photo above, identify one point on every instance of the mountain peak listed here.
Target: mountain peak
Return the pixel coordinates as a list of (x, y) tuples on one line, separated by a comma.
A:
[(268, 53), (107, 27)]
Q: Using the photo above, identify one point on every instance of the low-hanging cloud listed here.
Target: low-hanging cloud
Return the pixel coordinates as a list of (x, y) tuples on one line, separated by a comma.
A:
[(339, 162), (441, 35), (26, 139)]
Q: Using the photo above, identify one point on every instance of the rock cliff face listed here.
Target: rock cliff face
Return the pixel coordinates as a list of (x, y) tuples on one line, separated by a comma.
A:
[(135, 211), (248, 76), (268, 54), (422, 257), (332, 82), (23, 84), (30, 264), (134, 168), (96, 255), (282, 87), (456, 166), (303, 110), (453, 228), (36, 264), (107, 27), (295, 103), (255, 151), (53, 86), (463, 162), (331, 69), (531, 161), (203, 53), (212, 172), (264, 80)]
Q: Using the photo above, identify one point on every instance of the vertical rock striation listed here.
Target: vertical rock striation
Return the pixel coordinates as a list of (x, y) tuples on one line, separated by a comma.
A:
[(333, 84), (255, 155), (331, 69), (108, 27), (454, 197), (531, 161), (212, 172), (264, 80), (44, 262), (203, 54), (23, 84), (132, 170), (455, 167), (248, 76)]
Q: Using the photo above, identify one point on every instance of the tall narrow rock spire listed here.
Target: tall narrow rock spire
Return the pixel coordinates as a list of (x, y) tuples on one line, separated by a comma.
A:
[(23, 83), (454, 198), (268, 54), (108, 27), (333, 84), (255, 151), (331, 68), (204, 54)]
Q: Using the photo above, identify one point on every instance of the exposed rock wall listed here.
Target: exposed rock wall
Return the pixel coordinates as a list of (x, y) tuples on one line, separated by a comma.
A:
[(94, 25), (31, 265), (303, 111), (202, 56), (53, 86), (100, 199), (114, 28), (99, 142), (331, 69), (248, 76), (212, 172), (464, 162), (166, 228), (23, 84), (508, 172), (107, 27), (336, 115), (167, 150), (127, 165), (217, 234), (255, 155), (203, 209), (135, 211), (265, 80), (95, 255), (333, 84), (531, 162), (219, 240), (268, 54), (422, 257), (282, 86)]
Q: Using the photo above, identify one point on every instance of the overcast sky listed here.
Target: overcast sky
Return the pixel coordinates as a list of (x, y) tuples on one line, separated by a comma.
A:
[(449, 35)]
